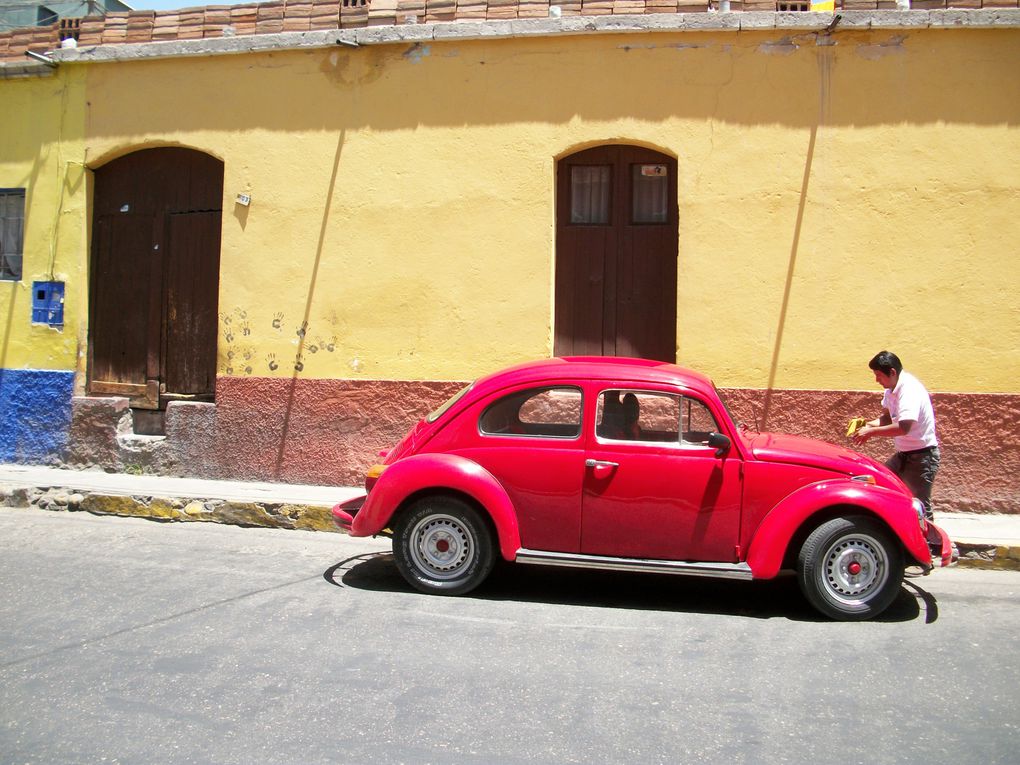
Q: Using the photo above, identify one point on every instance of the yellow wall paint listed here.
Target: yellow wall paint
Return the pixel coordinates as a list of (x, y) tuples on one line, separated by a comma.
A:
[(834, 199), (41, 151)]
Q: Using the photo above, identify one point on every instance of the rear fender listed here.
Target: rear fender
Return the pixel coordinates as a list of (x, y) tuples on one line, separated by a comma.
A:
[(435, 473), (770, 542)]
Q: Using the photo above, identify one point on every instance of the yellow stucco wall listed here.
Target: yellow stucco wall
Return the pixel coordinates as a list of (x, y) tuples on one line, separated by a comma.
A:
[(41, 136), (834, 199)]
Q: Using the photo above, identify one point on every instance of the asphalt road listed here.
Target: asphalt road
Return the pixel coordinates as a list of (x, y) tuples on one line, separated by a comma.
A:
[(131, 641)]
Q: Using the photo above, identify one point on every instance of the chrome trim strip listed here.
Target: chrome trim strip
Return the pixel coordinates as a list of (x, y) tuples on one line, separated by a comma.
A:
[(686, 568)]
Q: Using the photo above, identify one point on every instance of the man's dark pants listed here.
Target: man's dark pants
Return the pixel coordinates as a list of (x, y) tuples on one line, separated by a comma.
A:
[(917, 470)]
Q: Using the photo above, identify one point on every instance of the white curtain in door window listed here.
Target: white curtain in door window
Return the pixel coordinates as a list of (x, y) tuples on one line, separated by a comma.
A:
[(590, 194), (650, 194)]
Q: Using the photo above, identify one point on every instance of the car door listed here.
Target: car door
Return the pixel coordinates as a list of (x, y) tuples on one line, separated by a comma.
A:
[(653, 487)]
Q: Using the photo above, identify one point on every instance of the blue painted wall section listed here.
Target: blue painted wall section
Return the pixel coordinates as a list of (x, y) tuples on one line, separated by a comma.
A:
[(35, 414)]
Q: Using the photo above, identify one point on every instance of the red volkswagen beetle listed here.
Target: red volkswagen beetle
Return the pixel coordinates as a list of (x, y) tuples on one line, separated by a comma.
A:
[(636, 465)]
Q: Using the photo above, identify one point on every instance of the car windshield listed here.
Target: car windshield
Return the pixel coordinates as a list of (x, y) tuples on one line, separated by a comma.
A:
[(741, 425), (433, 416)]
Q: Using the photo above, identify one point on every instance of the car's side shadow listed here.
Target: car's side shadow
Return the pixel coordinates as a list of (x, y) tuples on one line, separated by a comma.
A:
[(776, 598)]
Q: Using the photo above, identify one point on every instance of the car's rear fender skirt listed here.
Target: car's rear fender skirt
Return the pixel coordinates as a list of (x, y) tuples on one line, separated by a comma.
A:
[(811, 504), (423, 474)]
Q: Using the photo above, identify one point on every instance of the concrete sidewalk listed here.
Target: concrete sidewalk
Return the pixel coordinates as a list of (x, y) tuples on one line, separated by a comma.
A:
[(985, 541)]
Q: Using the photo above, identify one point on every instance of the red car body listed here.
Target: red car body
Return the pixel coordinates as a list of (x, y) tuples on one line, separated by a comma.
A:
[(542, 459)]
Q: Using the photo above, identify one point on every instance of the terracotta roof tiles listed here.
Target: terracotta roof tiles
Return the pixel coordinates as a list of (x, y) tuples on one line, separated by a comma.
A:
[(305, 15)]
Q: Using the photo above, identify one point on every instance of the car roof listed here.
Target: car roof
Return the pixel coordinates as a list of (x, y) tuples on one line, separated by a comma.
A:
[(616, 368)]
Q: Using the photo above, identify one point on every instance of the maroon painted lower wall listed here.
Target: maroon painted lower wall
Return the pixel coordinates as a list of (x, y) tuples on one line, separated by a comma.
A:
[(315, 431), (979, 436), (330, 431)]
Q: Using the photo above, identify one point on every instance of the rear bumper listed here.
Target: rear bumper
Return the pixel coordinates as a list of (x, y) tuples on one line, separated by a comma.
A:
[(345, 512)]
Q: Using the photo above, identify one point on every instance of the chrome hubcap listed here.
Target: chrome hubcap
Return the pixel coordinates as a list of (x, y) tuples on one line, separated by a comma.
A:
[(855, 568), (441, 546)]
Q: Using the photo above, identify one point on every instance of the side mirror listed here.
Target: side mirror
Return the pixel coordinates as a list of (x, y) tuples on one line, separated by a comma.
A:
[(719, 442)]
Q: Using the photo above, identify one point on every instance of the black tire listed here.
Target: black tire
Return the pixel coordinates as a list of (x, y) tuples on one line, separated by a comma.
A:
[(443, 546), (850, 568)]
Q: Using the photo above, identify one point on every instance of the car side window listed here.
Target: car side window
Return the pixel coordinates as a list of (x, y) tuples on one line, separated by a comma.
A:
[(633, 415), (541, 412), (696, 422), (652, 417)]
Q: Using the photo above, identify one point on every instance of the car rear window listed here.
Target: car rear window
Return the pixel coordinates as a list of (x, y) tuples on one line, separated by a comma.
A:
[(541, 412)]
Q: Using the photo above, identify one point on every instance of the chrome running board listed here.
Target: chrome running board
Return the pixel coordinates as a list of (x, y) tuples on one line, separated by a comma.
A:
[(647, 565)]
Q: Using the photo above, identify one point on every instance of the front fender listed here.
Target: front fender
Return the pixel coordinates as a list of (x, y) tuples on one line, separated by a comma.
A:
[(768, 546), (420, 472)]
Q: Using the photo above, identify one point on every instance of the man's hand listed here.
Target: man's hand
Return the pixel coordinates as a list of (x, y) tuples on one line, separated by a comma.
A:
[(854, 425), (862, 435)]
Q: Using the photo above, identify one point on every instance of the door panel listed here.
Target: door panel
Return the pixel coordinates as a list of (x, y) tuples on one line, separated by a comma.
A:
[(581, 309), (646, 297), (192, 281), (121, 305), (653, 488), (616, 274), (661, 503)]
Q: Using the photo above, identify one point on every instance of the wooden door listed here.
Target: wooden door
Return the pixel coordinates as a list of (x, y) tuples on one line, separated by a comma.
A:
[(154, 280), (616, 253)]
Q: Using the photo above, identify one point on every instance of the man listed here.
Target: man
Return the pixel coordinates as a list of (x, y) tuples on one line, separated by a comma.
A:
[(908, 418)]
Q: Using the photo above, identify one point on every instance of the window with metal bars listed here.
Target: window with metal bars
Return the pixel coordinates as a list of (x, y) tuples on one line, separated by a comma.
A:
[(69, 29)]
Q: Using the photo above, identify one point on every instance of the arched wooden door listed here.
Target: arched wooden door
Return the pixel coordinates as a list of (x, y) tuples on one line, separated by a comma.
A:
[(616, 253), (154, 276)]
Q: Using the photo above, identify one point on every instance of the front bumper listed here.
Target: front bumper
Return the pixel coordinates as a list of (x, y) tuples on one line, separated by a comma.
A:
[(345, 512), (941, 546)]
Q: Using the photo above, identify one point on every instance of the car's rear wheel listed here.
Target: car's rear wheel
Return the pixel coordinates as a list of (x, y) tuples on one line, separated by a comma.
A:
[(850, 568), (443, 545)]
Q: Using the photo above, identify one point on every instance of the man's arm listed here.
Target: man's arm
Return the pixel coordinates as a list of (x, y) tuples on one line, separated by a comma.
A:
[(883, 419), (883, 427)]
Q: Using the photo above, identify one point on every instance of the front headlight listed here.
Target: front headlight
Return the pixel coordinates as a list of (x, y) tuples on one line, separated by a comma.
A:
[(919, 509)]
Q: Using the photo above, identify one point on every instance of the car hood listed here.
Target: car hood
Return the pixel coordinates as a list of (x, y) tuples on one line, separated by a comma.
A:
[(796, 450)]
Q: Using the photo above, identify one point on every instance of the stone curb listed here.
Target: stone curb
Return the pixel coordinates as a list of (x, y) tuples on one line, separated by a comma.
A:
[(309, 517), (275, 515), (989, 557)]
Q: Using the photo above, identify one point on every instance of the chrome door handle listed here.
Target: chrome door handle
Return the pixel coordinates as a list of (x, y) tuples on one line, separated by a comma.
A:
[(601, 470)]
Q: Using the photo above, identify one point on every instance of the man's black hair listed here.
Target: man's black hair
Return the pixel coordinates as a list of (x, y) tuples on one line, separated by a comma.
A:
[(885, 362)]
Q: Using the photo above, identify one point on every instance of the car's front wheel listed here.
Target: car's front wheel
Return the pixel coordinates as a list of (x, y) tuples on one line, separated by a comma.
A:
[(850, 568), (442, 545)]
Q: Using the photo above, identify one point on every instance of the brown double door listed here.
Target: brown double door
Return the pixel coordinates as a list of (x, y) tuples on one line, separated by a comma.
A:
[(154, 277), (616, 253)]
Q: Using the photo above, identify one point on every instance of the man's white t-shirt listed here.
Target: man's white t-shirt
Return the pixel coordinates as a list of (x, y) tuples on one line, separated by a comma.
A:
[(910, 401)]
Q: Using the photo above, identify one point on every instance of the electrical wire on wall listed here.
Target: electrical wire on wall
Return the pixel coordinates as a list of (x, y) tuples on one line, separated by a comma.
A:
[(63, 168)]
